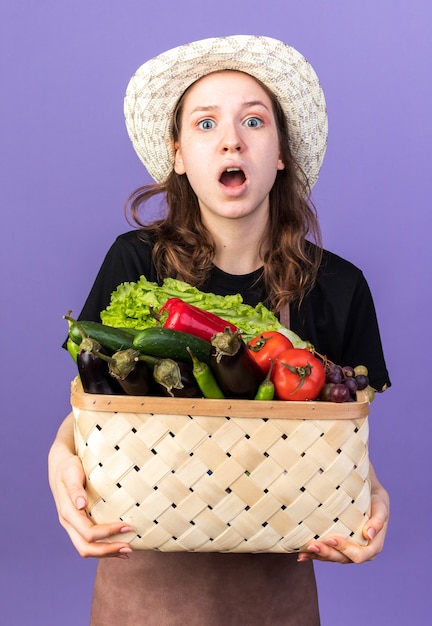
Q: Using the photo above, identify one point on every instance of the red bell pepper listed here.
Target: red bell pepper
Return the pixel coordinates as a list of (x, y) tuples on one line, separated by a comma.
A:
[(189, 318)]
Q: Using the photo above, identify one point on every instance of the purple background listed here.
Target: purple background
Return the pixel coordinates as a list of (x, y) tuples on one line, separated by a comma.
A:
[(67, 167)]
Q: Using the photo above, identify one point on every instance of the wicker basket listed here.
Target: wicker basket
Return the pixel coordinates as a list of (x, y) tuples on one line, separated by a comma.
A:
[(210, 475)]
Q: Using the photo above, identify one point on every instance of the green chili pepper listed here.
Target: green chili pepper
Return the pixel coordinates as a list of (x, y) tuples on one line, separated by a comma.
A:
[(73, 349), (205, 379), (266, 390)]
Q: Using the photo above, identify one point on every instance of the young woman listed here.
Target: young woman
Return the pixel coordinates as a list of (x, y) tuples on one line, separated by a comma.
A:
[(234, 131)]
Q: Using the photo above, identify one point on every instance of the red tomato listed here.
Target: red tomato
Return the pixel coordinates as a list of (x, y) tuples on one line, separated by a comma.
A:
[(298, 375), (267, 346)]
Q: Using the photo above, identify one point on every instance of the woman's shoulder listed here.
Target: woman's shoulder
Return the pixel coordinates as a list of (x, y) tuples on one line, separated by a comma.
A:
[(338, 281), (133, 238), (128, 258), (132, 249), (333, 265)]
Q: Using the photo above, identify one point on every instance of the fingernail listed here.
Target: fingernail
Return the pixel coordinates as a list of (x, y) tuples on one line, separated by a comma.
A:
[(331, 542), (80, 503), (313, 549), (302, 558), (126, 529), (371, 533), (125, 550)]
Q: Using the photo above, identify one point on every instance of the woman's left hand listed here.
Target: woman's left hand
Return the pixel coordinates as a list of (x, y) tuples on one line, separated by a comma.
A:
[(340, 550)]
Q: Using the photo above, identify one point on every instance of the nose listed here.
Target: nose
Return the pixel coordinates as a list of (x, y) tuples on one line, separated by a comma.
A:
[(230, 146), (231, 141)]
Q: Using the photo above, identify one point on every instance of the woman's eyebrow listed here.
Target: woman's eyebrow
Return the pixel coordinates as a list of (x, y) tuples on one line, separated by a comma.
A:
[(253, 103), (200, 108), (213, 107)]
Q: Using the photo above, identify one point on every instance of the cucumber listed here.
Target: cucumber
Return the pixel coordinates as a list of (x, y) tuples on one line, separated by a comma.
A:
[(165, 343), (112, 339)]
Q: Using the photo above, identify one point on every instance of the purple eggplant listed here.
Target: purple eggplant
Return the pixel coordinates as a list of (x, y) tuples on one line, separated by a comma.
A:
[(139, 381), (176, 379), (236, 372), (134, 376), (94, 371)]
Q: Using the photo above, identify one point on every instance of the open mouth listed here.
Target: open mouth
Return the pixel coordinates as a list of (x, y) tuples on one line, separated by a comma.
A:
[(232, 177)]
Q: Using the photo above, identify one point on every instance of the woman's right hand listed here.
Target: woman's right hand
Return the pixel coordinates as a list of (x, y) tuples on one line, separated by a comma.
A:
[(67, 480)]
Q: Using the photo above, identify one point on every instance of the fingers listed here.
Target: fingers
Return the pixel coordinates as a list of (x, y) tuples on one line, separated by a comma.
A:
[(341, 550), (92, 543), (329, 550), (89, 539), (73, 480), (380, 513)]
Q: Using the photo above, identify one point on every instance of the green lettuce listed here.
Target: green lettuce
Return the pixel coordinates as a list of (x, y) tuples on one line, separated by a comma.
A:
[(131, 305)]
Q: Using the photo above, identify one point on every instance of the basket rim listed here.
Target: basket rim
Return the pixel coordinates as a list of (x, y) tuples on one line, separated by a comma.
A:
[(279, 409)]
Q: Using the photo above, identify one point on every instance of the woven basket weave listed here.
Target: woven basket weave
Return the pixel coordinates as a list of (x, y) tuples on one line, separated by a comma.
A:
[(210, 475)]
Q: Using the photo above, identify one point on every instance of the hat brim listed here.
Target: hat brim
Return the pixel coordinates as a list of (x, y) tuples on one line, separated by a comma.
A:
[(155, 88)]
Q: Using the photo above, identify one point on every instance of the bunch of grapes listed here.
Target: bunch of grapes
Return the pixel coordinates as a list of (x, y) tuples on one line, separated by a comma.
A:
[(342, 383)]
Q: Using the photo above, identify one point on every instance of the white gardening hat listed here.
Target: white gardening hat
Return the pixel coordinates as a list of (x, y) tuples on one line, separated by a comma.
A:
[(156, 87)]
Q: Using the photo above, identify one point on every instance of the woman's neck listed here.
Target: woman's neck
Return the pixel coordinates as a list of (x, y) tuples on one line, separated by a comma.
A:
[(238, 252)]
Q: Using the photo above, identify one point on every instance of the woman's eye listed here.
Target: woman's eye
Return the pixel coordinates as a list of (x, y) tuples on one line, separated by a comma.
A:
[(253, 122), (206, 124)]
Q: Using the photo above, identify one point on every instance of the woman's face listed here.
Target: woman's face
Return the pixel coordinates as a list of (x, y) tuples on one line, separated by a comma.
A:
[(228, 146)]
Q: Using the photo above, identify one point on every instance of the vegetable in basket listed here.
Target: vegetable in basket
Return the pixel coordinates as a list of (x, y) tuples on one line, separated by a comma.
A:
[(112, 339), (205, 378), (93, 370), (73, 348), (233, 367), (266, 390), (132, 304), (188, 318), (176, 378), (134, 375), (266, 346), (171, 344), (298, 375)]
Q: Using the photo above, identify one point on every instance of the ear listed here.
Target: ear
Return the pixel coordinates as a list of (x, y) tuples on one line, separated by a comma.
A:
[(178, 160), (280, 164)]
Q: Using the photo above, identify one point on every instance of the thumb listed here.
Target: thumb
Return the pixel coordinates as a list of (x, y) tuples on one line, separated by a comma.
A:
[(74, 481), (80, 502), (369, 532)]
